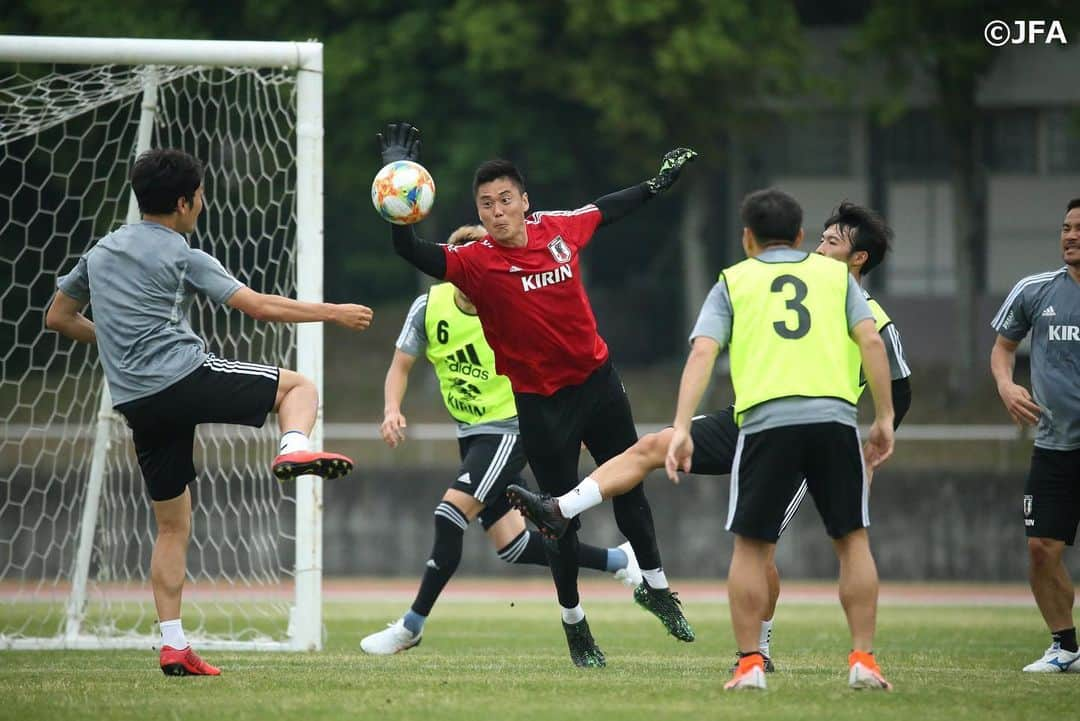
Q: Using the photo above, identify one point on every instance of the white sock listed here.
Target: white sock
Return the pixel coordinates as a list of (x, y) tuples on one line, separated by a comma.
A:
[(293, 441), (765, 637), (655, 577), (583, 497), (172, 634), (573, 615)]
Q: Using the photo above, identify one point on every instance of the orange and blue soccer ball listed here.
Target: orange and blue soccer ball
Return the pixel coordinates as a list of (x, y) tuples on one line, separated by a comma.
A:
[(403, 192)]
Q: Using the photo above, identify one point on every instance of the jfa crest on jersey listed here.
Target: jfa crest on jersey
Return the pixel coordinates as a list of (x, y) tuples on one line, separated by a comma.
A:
[(560, 251)]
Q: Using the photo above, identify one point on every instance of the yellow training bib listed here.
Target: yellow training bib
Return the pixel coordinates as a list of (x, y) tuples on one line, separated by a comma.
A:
[(464, 362), (789, 334)]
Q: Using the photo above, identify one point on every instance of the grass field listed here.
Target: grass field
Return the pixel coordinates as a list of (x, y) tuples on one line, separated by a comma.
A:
[(497, 660)]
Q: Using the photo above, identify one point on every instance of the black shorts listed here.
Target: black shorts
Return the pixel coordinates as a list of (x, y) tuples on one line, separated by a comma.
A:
[(596, 413), (1052, 495), (770, 467), (714, 436), (489, 463), (163, 425)]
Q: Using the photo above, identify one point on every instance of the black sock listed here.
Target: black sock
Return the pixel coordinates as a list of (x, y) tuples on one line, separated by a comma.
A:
[(529, 548), (525, 548), (1066, 639), (562, 559), (450, 525), (592, 557), (634, 518)]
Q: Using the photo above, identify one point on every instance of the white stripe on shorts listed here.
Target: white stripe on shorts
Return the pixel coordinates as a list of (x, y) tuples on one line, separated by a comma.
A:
[(498, 463), (221, 365), (865, 483), (796, 501), (733, 495)]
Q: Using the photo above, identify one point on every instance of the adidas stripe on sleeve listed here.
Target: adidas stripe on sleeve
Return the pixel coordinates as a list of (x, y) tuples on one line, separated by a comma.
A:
[(413, 336), (1013, 320)]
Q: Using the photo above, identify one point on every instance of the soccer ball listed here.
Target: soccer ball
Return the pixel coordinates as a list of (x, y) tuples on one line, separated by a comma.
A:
[(403, 192)]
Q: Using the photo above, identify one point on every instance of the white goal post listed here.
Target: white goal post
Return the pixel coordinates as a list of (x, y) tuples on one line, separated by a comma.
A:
[(75, 528)]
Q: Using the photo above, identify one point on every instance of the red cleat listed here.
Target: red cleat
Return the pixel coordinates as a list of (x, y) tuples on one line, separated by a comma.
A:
[(185, 662), (314, 463)]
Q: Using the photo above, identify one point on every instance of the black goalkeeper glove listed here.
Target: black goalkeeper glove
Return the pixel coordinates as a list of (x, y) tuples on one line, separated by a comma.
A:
[(670, 168), (402, 142)]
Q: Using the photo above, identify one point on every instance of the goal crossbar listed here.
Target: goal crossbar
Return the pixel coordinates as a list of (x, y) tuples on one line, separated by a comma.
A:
[(145, 51)]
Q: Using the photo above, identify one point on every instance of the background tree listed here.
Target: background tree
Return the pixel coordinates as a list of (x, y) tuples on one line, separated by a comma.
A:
[(659, 75), (943, 41)]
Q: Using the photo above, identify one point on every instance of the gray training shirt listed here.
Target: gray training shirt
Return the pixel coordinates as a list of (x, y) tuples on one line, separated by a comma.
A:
[(714, 322), (413, 340), (1048, 306), (141, 280)]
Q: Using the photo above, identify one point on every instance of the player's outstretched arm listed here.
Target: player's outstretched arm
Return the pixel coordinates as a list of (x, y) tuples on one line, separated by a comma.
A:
[(695, 378), (397, 382), (402, 142), (620, 203), (66, 318), (1018, 402), (876, 367), (279, 309)]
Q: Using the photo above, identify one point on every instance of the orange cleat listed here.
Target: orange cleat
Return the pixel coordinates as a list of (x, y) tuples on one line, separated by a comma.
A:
[(185, 662), (314, 463), (750, 673), (864, 672)]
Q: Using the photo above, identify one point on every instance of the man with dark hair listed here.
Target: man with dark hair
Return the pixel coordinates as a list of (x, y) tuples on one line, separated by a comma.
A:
[(443, 325), (157, 174), (142, 279), (523, 277), (1047, 305), (786, 317), (854, 235)]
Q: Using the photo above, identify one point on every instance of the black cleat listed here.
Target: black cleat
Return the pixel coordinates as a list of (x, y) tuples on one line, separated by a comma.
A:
[(769, 667), (583, 649), (541, 509), (665, 605)]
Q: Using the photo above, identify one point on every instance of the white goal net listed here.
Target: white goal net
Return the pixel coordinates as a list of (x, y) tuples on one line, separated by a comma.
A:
[(76, 530)]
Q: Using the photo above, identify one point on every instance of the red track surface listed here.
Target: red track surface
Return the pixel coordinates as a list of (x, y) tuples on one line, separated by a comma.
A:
[(540, 589), (953, 594)]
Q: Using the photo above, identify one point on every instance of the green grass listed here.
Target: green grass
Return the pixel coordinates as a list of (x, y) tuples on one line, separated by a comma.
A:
[(498, 660)]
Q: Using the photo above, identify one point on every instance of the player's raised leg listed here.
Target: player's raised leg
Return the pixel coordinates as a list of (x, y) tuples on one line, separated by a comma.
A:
[(297, 404)]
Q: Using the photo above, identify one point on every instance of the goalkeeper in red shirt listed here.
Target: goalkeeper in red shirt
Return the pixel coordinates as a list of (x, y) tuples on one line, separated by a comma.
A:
[(523, 277)]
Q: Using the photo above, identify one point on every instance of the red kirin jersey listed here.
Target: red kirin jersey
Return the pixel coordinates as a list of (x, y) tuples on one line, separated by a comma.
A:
[(532, 303)]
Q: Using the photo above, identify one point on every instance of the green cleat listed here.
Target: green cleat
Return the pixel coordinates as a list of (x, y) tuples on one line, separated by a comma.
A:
[(583, 649), (665, 605)]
